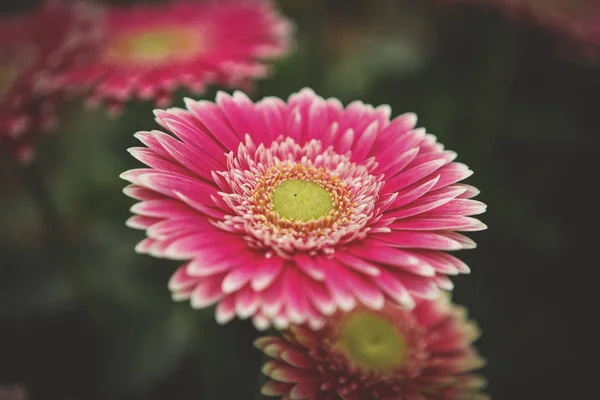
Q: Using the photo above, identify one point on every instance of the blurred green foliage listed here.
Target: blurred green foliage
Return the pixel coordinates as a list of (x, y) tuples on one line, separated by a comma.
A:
[(521, 113)]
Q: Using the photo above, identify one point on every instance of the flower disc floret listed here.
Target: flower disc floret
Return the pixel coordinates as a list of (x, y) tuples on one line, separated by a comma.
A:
[(262, 197)]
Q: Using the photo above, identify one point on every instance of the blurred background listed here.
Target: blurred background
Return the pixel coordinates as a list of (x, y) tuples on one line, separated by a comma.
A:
[(87, 318)]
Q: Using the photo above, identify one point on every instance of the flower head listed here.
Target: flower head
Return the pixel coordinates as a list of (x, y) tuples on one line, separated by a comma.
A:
[(289, 211), (151, 49), (574, 21), (35, 49), (390, 354)]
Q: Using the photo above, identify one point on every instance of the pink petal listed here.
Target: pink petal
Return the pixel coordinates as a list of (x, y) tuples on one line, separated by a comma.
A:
[(225, 310), (267, 270), (246, 302), (457, 223), (207, 292), (412, 175)]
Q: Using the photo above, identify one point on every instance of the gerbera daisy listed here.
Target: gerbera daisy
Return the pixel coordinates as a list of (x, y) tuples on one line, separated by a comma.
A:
[(151, 49), (290, 211), (577, 21), (391, 354), (34, 50)]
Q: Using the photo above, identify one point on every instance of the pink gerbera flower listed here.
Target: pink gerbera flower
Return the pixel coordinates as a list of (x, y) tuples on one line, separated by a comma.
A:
[(150, 50), (290, 211), (390, 354), (34, 51), (578, 21)]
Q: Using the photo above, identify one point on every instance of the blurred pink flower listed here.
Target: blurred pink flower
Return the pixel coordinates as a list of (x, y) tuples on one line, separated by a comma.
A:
[(390, 354), (151, 49), (290, 211), (576, 22), (34, 50), (16, 392)]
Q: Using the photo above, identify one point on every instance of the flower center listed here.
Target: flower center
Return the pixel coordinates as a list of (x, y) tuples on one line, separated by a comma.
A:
[(371, 341), (301, 200), (153, 46), (288, 197)]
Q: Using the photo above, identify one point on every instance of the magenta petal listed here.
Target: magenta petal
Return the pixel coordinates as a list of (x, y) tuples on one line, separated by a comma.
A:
[(204, 209), (163, 208), (398, 128), (238, 277), (225, 310), (273, 113), (431, 201), (170, 183), (321, 298), (307, 265), (272, 298), (157, 162), (296, 301), (363, 289), (457, 223), (394, 289), (266, 272), (178, 227), (181, 280), (187, 128), (141, 222), (344, 299), (141, 193), (207, 292), (392, 161), (459, 207), (383, 253), (452, 173), (211, 117), (246, 302), (365, 142), (191, 245), (358, 264), (420, 240)]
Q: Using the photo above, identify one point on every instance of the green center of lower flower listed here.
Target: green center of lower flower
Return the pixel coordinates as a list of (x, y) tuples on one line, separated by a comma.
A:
[(372, 341), (301, 200), (156, 45)]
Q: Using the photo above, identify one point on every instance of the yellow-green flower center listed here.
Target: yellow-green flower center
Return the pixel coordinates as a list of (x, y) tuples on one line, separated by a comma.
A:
[(301, 200), (155, 45), (371, 341)]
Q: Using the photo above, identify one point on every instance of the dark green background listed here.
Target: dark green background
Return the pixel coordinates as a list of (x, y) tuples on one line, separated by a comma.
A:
[(86, 318)]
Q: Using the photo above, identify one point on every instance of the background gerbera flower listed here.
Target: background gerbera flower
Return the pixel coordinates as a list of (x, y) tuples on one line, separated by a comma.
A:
[(575, 21), (35, 49), (391, 354), (290, 211), (150, 50)]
